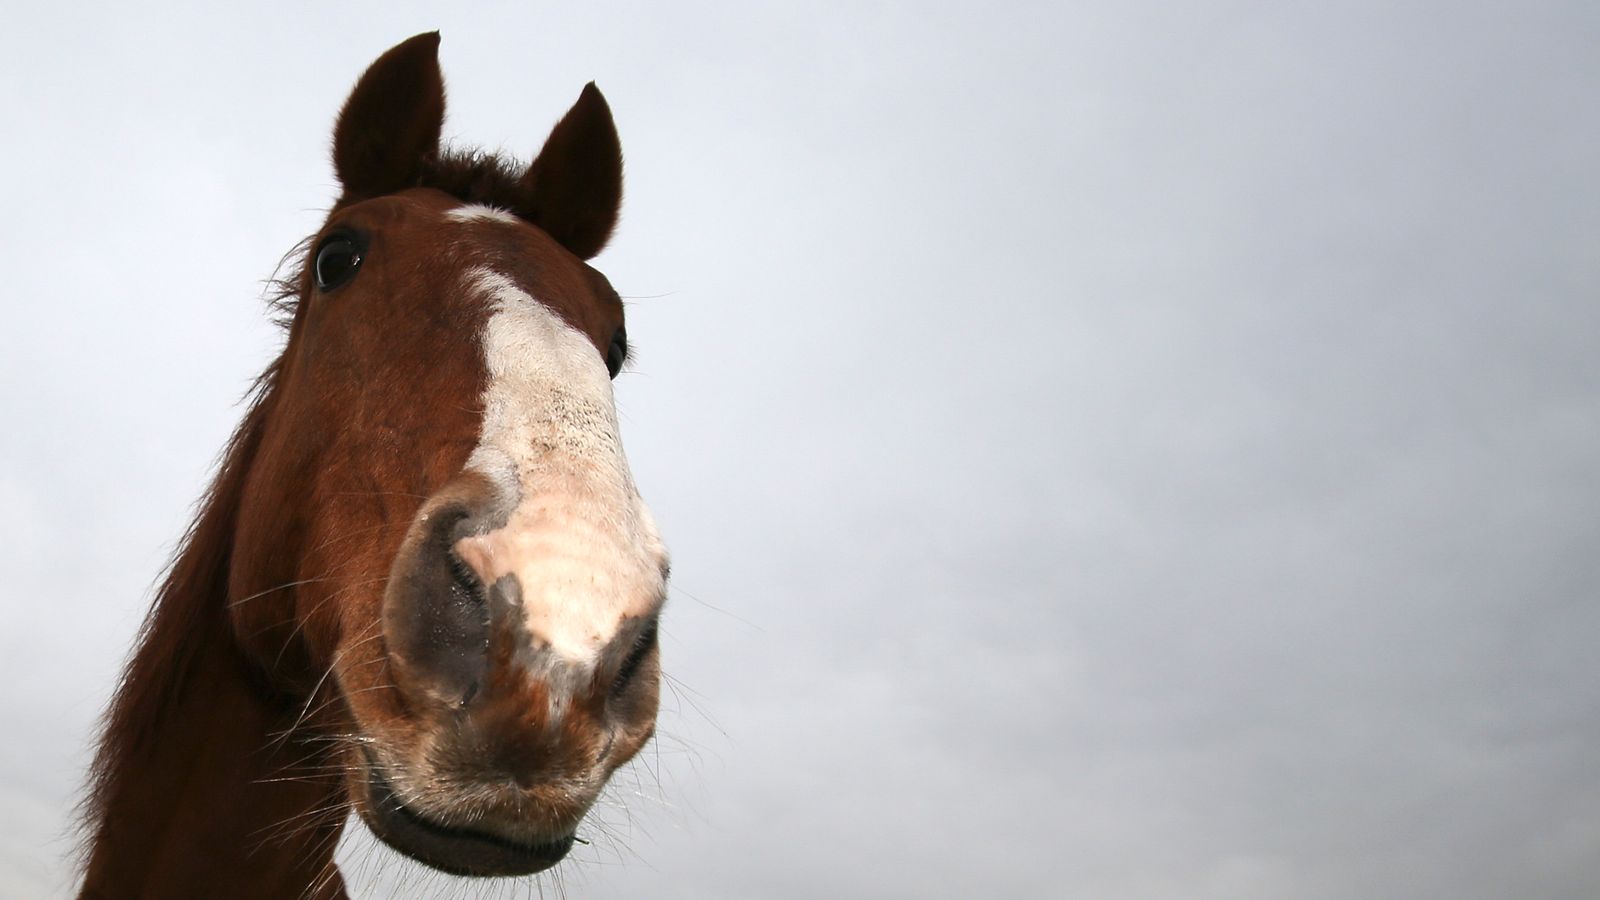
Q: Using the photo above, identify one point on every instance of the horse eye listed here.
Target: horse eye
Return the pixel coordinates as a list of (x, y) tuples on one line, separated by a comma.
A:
[(617, 352), (338, 258)]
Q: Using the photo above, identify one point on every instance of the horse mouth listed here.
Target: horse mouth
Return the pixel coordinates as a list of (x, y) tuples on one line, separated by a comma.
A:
[(457, 851)]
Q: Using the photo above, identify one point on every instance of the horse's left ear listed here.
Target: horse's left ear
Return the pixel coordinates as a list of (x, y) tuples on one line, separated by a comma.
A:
[(573, 189), (390, 125)]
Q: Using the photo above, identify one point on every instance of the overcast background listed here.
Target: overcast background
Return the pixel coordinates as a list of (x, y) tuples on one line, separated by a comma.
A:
[(1109, 450)]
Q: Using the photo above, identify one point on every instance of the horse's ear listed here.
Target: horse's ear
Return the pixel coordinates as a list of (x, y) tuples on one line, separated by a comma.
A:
[(391, 123), (573, 189)]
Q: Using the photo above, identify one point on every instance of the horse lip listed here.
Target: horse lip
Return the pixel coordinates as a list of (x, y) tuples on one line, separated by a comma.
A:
[(458, 851)]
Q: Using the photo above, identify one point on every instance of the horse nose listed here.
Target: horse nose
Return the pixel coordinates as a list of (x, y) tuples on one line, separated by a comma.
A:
[(437, 609)]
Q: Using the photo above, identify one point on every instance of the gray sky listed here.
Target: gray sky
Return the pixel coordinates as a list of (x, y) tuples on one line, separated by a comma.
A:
[(1109, 450)]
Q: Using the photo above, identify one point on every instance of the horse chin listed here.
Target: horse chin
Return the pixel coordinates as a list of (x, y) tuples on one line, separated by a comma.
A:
[(457, 851)]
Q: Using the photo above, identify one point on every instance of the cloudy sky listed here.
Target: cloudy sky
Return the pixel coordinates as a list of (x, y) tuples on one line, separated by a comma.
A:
[(1109, 449)]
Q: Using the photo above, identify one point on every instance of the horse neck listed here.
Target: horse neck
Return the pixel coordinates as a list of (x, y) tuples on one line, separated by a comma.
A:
[(192, 793)]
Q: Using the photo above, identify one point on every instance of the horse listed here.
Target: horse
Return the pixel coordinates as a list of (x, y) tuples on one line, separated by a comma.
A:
[(422, 586)]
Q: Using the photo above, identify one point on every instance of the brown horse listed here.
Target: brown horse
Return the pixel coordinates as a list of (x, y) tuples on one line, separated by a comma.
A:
[(423, 585)]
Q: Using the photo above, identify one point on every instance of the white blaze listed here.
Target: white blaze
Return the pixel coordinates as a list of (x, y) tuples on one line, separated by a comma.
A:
[(478, 212), (580, 542)]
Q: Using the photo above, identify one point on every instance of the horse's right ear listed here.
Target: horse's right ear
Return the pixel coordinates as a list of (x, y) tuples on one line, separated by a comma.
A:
[(390, 125)]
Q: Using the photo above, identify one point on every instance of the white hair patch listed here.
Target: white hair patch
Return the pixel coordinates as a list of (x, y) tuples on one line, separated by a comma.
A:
[(478, 212)]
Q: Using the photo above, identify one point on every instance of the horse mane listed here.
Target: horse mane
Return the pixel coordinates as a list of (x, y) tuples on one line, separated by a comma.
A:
[(174, 629)]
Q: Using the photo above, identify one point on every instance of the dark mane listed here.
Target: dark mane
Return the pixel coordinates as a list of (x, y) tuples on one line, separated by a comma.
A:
[(188, 609)]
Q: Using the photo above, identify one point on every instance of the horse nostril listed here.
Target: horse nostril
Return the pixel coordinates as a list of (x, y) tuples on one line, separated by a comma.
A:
[(436, 612), (643, 644)]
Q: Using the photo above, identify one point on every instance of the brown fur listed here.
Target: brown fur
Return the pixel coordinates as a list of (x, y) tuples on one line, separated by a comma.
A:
[(230, 753)]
